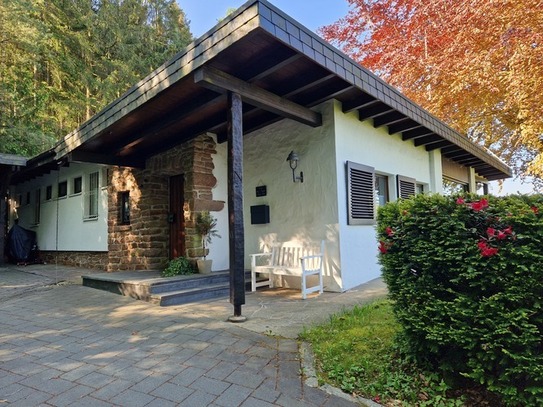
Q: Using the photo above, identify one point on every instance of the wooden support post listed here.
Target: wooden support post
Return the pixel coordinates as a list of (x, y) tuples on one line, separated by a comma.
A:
[(235, 205)]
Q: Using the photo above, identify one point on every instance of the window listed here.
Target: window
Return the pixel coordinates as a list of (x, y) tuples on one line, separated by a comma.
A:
[(451, 186), (37, 207), (125, 207), (28, 198), (91, 197), (406, 186), (48, 192), (360, 194), (62, 189), (381, 189), (420, 189), (482, 188), (77, 186)]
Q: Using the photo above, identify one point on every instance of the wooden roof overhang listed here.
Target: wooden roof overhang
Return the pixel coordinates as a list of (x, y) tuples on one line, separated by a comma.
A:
[(281, 69), (10, 164), (39, 165), (8, 161)]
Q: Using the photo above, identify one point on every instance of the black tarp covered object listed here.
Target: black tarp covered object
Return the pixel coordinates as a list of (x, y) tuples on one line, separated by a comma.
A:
[(22, 245)]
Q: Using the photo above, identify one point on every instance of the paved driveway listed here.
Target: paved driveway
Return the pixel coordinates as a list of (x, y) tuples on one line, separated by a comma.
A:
[(64, 344)]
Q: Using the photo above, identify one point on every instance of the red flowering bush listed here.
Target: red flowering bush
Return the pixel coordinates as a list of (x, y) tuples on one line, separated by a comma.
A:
[(466, 277)]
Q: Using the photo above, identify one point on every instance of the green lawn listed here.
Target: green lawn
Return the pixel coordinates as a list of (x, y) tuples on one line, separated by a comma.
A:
[(355, 351)]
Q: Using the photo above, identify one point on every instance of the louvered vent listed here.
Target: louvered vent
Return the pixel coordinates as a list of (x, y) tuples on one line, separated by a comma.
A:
[(406, 187), (361, 200)]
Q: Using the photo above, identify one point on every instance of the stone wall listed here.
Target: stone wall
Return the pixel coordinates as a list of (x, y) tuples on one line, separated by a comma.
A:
[(89, 260), (144, 243)]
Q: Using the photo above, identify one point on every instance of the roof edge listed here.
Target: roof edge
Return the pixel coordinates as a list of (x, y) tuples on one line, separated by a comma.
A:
[(13, 159)]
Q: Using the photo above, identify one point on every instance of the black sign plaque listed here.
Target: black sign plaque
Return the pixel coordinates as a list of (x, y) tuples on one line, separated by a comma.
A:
[(261, 190)]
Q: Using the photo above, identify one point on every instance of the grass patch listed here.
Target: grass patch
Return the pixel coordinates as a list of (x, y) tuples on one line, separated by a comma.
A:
[(356, 351)]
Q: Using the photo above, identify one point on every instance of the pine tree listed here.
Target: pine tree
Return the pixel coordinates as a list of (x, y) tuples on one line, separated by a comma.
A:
[(61, 61)]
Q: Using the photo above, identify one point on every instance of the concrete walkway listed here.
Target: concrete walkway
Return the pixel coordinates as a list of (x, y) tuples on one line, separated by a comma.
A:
[(64, 344)]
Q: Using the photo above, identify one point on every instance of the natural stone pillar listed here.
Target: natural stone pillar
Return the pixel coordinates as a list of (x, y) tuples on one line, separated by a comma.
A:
[(144, 243)]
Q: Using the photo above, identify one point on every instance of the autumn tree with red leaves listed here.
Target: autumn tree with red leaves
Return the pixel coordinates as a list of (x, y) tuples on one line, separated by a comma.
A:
[(476, 64)]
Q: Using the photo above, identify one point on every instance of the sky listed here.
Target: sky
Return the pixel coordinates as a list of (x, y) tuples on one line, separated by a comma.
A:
[(204, 14)]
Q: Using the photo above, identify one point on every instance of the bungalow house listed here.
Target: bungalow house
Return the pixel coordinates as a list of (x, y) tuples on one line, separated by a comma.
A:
[(212, 128)]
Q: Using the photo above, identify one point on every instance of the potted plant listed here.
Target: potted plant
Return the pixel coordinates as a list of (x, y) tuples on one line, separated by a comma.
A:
[(205, 227)]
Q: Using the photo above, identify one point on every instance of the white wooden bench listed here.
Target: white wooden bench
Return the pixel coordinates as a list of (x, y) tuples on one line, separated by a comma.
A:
[(289, 259)]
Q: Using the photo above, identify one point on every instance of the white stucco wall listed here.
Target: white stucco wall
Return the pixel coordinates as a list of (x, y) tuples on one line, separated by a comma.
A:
[(360, 142), (317, 208), (74, 233), (219, 249), (305, 211)]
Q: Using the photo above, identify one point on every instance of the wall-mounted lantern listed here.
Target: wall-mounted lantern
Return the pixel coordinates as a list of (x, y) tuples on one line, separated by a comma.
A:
[(293, 162)]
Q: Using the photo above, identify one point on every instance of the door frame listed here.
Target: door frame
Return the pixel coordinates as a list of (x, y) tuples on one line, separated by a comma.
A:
[(176, 218)]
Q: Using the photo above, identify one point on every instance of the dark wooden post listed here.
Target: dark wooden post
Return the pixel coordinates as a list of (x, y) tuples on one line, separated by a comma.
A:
[(235, 205)]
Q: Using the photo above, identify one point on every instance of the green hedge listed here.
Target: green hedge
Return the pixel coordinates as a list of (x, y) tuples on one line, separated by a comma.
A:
[(466, 276)]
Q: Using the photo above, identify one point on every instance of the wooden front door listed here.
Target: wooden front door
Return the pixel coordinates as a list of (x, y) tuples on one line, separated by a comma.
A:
[(176, 217)]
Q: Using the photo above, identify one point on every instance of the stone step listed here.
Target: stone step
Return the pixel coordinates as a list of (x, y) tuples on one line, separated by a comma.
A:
[(149, 286), (189, 295), (194, 294), (198, 280)]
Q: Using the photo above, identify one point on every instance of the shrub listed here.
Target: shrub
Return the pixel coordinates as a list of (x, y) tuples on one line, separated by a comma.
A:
[(179, 266), (466, 277), (205, 226)]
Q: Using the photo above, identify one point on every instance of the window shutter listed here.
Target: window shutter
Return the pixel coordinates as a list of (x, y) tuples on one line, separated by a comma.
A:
[(360, 194), (406, 187)]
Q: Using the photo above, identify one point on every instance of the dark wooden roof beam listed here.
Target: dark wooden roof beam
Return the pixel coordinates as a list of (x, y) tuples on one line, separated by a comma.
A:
[(323, 93), (452, 149), (373, 111), (198, 104), (438, 144), (26, 174), (422, 141), (482, 166), (469, 162), (403, 126), (253, 120), (486, 171), (388, 119), (309, 85), (360, 102), (494, 177), (221, 82), (186, 133), (270, 69), (416, 133), (457, 155), (87, 157)]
